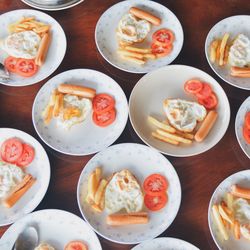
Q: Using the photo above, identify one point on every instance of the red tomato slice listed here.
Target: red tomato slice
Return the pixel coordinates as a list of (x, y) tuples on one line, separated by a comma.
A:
[(76, 245), (209, 102), (27, 156), (155, 203), (26, 67), (104, 119), (103, 103), (246, 134), (11, 150), (155, 184), (193, 86), (163, 36), (205, 92), (10, 63), (247, 120), (161, 51)]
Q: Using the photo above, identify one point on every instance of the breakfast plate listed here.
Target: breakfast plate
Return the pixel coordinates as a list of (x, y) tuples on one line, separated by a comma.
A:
[(234, 26), (52, 4), (47, 43), (136, 162), (55, 227), (108, 45), (230, 189), (80, 135), (239, 126), (37, 169), (165, 243), (152, 102)]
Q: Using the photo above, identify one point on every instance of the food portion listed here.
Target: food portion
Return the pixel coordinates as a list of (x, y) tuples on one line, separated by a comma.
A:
[(234, 52), (76, 245), (133, 29), (232, 213), (44, 246), (27, 46), (246, 128)]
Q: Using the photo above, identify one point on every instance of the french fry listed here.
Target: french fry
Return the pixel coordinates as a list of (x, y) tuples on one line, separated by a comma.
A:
[(102, 203), (98, 173), (48, 114), (130, 53), (224, 215), (161, 125), (100, 191), (96, 208), (185, 135), (213, 46), (218, 221), (226, 54), (92, 185), (133, 59), (149, 56), (89, 200), (173, 137), (222, 48), (164, 139), (58, 104), (229, 201), (139, 50), (218, 52), (236, 229)]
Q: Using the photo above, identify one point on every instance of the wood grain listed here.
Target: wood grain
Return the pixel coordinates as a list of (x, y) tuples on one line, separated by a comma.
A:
[(199, 175)]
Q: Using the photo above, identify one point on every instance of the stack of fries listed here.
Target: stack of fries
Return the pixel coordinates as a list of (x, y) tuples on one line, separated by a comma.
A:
[(136, 55), (169, 134), (96, 190), (29, 23)]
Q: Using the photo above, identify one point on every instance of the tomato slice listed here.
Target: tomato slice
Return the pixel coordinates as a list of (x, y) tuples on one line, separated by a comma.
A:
[(10, 63), (161, 51), (27, 156), (103, 103), (155, 184), (247, 120), (11, 150), (156, 202), (163, 36), (205, 92), (193, 86), (76, 245), (209, 102), (104, 119), (26, 67)]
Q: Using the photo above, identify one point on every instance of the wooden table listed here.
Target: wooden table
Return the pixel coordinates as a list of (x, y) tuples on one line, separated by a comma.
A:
[(199, 175)]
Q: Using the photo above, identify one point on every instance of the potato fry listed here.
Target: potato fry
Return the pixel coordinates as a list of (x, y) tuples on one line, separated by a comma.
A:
[(226, 54), (96, 208), (173, 137), (89, 200), (236, 229), (224, 215), (229, 201), (58, 104), (164, 139), (149, 56), (130, 53), (98, 173), (100, 191), (48, 114), (27, 19), (102, 203), (218, 52), (222, 47), (185, 135), (92, 185), (161, 125), (133, 59), (139, 50), (213, 46)]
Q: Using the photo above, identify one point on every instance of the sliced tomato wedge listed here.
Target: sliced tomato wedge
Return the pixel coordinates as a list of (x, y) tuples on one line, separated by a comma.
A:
[(27, 156), (193, 86), (210, 102), (103, 103), (163, 36), (156, 202), (11, 150), (76, 245), (155, 184), (246, 134), (247, 120), (26, 67), (160, 50), (205, 92), (104, 119), (10, 63)]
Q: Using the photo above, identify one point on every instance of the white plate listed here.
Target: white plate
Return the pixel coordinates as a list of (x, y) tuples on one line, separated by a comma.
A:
[(168, 82), (241, 178), (234, 25), (52, 5), (56, 227), (84, 138), (56, 50), (106, 42), (165, 243), (141, 161), (239, 121), (39, 168)]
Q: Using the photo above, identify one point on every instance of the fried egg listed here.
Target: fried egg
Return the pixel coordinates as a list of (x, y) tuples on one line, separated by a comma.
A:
[(183, 114), (123, 192), (23, 44), (44, 246), (130, 30)]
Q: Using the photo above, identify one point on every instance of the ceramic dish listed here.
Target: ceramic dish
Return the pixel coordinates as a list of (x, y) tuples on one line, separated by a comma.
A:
[(83, 138), (165, 243), (106, 42), (39, 168), (239, 121), (55, 227), (234, 25), (241, 178), (168, 82), (56, 50), (52, 4), (141, 161)]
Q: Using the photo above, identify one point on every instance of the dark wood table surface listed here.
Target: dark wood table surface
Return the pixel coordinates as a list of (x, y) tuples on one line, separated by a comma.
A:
[(199, 175)]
